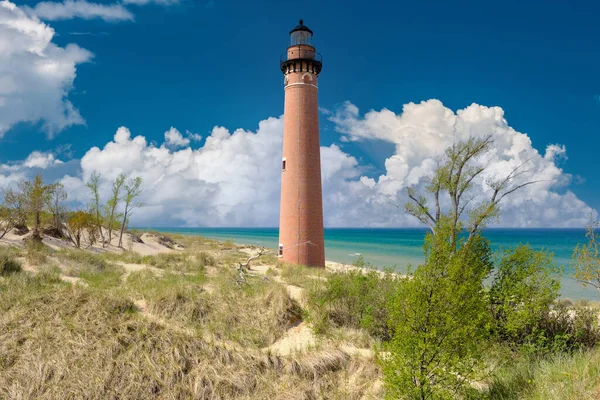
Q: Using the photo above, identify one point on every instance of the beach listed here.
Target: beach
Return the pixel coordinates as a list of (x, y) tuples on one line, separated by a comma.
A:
[(399, 248)]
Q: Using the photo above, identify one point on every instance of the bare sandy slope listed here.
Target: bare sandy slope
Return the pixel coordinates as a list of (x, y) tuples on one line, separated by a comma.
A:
[(150, 246)]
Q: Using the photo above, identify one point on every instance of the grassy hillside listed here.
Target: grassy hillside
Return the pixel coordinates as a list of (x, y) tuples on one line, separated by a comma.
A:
[(178, 324), (82, 325)]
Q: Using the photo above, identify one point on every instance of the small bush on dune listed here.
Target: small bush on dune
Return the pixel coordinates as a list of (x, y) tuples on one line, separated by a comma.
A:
[(522, 293), (8, 263), (206, 259), (354, 299), (37, 252), (439, 320), (524, 309), (568, 327)]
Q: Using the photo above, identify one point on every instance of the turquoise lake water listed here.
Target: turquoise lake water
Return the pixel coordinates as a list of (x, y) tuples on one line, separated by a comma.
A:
[(400, 247)]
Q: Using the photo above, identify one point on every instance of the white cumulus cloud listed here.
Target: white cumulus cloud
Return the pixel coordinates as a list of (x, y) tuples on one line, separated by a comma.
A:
[(234, 178), (421, 133), (40, 160), (144, 2), (70, 9), (36, 75), (174, 138)]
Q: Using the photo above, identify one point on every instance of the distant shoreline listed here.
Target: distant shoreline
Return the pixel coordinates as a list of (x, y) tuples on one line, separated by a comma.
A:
[(397, 248)]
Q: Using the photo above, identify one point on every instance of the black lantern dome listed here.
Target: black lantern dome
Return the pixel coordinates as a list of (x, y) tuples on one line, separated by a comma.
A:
[(301, 34), (301, 55)]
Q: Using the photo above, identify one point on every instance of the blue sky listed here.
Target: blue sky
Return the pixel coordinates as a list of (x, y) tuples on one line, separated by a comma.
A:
[(194, 65)]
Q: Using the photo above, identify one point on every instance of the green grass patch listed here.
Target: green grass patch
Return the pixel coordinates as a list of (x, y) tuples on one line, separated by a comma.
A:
[(8, 263)]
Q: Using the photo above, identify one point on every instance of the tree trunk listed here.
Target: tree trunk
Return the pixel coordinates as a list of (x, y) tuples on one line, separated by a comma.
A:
[(36, 228), (123, 227), (100, 226)]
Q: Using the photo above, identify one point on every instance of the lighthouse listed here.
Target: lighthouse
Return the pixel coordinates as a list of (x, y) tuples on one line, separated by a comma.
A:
[(301, 212)]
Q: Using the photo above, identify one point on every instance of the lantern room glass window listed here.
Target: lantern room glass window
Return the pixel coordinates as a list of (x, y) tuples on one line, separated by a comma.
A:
[(301, 37)]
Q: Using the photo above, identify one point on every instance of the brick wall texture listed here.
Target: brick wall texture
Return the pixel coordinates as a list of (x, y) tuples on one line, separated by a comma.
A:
[(301, 215)]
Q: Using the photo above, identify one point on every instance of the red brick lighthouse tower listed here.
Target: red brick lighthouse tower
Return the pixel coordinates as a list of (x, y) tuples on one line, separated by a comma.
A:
[(301, 215)]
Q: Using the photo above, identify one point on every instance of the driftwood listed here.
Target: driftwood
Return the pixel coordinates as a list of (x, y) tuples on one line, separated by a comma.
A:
[(243, 269)]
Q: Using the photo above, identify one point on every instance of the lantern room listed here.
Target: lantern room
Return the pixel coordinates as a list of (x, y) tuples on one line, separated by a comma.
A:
[(301, 34)]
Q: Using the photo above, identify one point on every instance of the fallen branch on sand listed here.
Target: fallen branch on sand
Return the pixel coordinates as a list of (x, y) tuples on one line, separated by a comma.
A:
[(244, 268)]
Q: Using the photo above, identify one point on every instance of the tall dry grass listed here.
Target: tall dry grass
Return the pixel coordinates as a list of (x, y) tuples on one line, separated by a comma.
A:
[(63, 341)]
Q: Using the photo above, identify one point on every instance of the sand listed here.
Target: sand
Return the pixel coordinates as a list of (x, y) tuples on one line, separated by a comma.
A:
[(150, 246)]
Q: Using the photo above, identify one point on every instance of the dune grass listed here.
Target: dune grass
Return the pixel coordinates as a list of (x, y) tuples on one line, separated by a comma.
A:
[(59, 340), (8, 263), (560, 377), (184, 329)]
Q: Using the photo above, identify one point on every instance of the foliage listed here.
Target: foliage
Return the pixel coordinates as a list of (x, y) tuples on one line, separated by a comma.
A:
[(439, 320), (34, 197), (568, 327), (461, 165), (37, 252), (354, 299), (586, 258), (14, 212), (8, 263), (81, 225), (522, 293), (440, 317), (11, 212)]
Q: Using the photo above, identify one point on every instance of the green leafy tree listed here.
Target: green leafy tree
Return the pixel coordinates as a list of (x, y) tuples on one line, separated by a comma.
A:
[(35, 196), (112, 205), (439, 316), (585, 261), (93, 184), (133, 190), (15, 202), (522, 293), (11, 212), (81, 225), (439, 320)]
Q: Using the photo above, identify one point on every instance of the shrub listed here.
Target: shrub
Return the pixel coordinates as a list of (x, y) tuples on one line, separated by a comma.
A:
[(354, 299), (522, 293), (439, 321), (206, 259), (37, 252), (568, 327), (8, 263)]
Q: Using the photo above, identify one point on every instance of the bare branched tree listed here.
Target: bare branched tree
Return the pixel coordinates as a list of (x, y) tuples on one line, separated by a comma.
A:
[(455, 175), (93, 185), (56, 206), (11, 212), (112, 205), (133, 190)]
